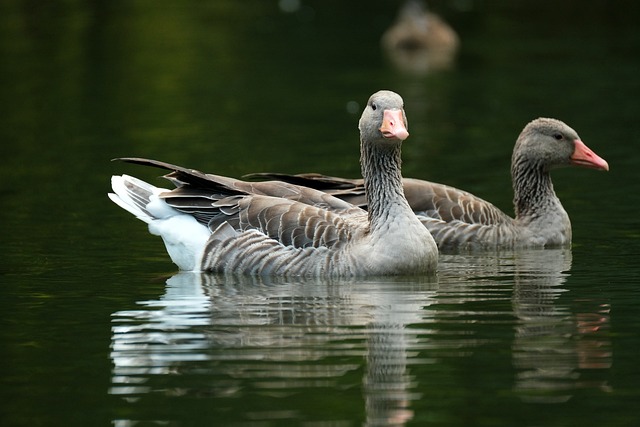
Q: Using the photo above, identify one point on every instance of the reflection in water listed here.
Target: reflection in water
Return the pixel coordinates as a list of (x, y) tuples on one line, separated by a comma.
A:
[(155, 340), (551, 343), (271, 338), (239, 339), (387, 385), (553, 348)]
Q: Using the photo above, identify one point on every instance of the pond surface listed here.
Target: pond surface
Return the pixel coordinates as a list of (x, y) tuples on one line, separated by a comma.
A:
[(98, 327)]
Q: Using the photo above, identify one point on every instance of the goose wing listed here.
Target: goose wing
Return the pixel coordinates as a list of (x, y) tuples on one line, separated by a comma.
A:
[(449, 204), (192, 181), (292, 215), (427, 199)]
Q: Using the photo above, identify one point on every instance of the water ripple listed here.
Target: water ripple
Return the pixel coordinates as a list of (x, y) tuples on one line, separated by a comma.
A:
[(230, 338)]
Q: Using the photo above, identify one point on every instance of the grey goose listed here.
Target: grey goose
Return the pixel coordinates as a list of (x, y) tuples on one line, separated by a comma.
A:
[(225, 225), (458, 220)]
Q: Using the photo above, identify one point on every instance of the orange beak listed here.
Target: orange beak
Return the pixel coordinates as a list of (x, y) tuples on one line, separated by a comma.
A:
[(583, 156), (393, 125)]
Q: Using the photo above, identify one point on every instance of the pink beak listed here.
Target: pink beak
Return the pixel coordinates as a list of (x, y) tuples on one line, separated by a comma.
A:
[(583, 156), (393, 125)]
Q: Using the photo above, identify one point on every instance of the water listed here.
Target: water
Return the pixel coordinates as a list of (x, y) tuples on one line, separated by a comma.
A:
[(398, 350), (98, 328)]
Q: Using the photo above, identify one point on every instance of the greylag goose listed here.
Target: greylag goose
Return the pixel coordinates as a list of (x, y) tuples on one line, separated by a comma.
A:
[(223, 225), (420, 40), (459, 220)]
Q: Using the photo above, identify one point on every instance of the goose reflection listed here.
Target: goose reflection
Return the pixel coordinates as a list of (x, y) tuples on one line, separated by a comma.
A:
[(387, 383), (560, 342), (283, 342), (274, 337), (553, 347)]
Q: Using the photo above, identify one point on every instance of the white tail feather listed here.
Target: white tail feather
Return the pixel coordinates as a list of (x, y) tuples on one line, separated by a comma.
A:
[(183, 236)]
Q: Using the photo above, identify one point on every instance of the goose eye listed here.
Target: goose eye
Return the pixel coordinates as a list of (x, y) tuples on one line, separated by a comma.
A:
[(557, 136), (374, 107)]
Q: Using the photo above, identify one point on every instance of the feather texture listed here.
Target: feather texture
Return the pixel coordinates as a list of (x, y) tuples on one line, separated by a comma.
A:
[(221, 224), (459, 220)]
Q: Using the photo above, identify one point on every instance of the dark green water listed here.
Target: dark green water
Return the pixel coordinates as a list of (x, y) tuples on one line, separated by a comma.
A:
[(96, 327)]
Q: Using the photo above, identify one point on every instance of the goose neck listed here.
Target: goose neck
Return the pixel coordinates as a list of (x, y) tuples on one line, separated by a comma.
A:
[(532, 188), (381, 165)]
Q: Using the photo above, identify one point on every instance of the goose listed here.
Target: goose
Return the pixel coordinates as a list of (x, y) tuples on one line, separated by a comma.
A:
[(419, 40), (458, 220), (218, 224)]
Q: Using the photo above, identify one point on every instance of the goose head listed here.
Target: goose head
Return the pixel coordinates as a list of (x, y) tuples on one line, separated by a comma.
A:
[(549, 143), (383, 120)]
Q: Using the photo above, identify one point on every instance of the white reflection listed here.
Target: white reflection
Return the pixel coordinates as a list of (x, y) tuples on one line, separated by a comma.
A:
[(152, 340), (274, 336)]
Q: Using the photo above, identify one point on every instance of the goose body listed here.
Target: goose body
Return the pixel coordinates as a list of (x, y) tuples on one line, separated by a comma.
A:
[(459, 220), (225, 225), (419, 40)]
